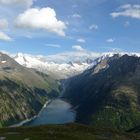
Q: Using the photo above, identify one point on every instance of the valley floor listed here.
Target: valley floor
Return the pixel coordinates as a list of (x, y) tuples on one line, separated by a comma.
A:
[(64, 132)]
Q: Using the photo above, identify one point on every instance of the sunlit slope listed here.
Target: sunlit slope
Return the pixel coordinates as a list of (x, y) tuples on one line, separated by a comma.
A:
[(23, 91)]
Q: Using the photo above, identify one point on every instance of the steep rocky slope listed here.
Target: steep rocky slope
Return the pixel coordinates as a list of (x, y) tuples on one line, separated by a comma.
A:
[(23, 91), (108, 94)]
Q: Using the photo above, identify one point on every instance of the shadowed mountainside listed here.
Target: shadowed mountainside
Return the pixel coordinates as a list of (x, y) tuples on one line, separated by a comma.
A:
[(108, 94)]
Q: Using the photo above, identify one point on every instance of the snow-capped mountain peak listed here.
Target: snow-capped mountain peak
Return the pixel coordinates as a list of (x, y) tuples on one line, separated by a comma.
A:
[(60, 71), (63, 66)]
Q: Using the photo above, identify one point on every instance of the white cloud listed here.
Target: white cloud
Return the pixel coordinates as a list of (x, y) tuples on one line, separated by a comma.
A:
[(26, 3), (81, 40), (28, 36), (73, 56), (93, 26), (125, 6), (116, 50), (110, 40), (3, 23), (78, 48), (4, 37), (74, 6), (127, 23), (44, 18), (76, 16), (127, 10), (53, 45)]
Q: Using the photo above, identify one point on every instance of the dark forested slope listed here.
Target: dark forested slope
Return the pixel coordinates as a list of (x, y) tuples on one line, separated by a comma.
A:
[(108, 94)]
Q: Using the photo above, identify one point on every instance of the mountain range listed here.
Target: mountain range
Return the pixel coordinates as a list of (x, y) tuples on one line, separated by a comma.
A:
[(104, 91), (65, 65), (61, 70), (107, 94)]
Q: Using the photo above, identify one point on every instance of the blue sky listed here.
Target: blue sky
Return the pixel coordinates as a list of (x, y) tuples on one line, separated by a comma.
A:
[(50, 26)]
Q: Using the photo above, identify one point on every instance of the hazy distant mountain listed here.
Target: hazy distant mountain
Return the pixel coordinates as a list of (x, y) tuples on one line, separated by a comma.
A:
[(63, 65), (108, 94), (23, 91), (58, 70)]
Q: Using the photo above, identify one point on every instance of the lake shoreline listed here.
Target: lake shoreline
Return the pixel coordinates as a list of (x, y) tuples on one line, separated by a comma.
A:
[(32, 118), (59, 111), (61, 108)]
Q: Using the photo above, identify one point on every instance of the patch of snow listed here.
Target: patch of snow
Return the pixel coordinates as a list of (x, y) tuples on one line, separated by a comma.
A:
[(3, 62)]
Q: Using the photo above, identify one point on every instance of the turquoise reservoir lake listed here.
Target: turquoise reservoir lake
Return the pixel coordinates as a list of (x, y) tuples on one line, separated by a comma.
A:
[(57, 112)]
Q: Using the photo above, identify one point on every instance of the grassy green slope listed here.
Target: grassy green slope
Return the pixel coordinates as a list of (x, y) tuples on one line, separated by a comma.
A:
[(64, 132)]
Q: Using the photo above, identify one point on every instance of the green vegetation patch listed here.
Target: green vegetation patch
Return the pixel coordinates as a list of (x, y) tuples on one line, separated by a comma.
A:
[(64, 132)]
